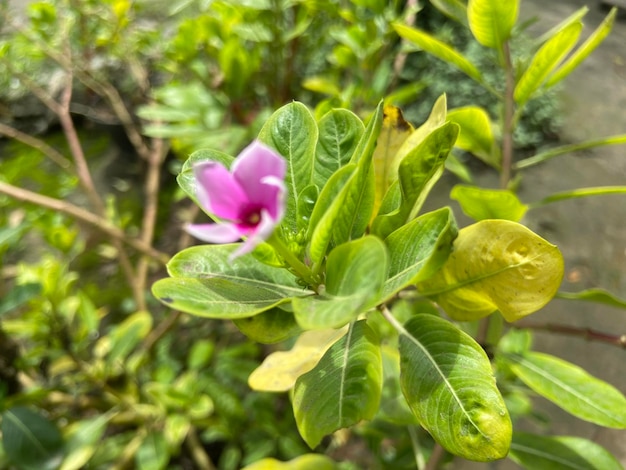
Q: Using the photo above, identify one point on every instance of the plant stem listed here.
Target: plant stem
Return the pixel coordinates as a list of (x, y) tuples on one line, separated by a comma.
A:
[(199, 456), (586, 333), (508, 118), (82, 215), (301, 269), (37, 144), (435, 458)]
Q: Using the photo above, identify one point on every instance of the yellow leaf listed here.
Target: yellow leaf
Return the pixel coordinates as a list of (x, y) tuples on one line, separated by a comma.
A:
[(394, 132), (496, 265), (304, 462), (280, 370)]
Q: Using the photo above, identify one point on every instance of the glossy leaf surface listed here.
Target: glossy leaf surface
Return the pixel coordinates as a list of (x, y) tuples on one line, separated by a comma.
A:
[(496, 265), (343, 389), (418, 249), (293, 133), (271, 326), (447, 380), (339, 133), (205, 282), (560, 452), (419, 170), (304, 462), (355, 273), (571, 388), (482, 203), (491, 21)]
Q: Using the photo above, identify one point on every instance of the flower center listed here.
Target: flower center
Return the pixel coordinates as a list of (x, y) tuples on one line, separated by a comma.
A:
[(250, 217)]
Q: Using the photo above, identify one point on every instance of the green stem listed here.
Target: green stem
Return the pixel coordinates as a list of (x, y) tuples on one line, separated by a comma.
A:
[(301, 269)]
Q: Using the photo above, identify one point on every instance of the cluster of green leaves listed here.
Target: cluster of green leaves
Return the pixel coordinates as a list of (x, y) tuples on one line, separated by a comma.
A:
[(359, 258)]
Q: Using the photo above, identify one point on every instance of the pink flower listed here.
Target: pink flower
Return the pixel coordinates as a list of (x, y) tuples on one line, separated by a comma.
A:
[(249, 200)]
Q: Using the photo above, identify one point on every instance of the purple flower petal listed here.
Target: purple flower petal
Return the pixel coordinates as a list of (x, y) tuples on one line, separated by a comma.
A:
[(218, 191), (261, 233), (215, 233), (254, 163)]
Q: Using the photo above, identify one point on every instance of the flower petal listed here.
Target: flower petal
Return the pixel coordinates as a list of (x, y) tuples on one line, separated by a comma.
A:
[(254, 163), (215, 233), (218, 191), (263, 231)]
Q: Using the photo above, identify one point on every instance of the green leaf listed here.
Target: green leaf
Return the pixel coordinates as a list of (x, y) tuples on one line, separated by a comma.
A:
[(343, 214), (82, 440), (545, 61), (567, 149), (280, 370), (393, 405), (355, 273), (30, 441), (454, 9), (491, 21), (573, 18), (580, 192), (306, 204), (439, 49), (271, 326), (343, 389), (482, 203), (447, 380), (476, 136), (418, 249), (152, 453), (206, 283), (125, 336), (580, 54), (293, 132), (339, 133), (571, 388), (560, 452), (304, 462), (496, 265), (18, 296), (600, 296), (186, 179), (419, 170)]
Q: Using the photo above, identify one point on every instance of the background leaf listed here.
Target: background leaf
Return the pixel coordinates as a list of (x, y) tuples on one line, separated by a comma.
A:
[(343, 389), (30, 441), (205, 282), (482, 203), (186, 179), (152, 453), (545, 61), (580, 54), (271, 326), (293, 132), (355, 273), (571, 388), (496, 265), (560, 452), (447, 380), (304, 462), (418, 249), (594, 295), (491, 21), (475, 135), (439, 49)]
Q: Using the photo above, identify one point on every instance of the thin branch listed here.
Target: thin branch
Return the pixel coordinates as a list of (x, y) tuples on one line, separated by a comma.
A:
[(38, 144), (82, 215), (151, 190), (586, 333), (435, 457), (198, 454)]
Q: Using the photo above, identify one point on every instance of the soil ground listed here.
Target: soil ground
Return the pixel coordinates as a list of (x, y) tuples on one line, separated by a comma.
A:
[(590, 232)]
